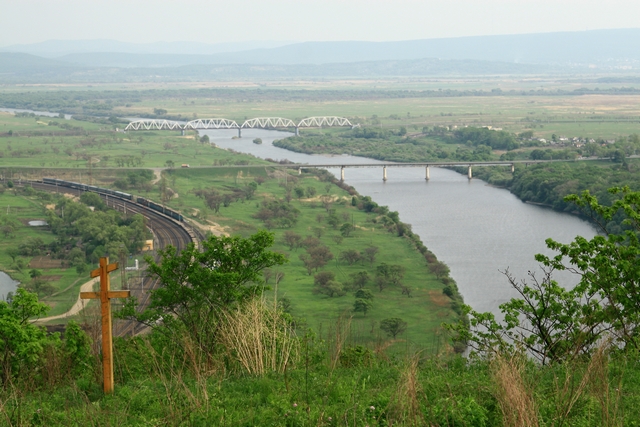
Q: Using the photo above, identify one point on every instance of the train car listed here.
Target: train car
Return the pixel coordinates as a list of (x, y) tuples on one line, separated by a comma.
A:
[(159, 208), (85, 187)]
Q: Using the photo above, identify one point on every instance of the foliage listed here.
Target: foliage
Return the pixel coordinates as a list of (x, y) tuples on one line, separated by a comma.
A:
[(198, 284), (96, 233), (325, 283), (497, 140), (393, 326), (555, 324), (21, 342), (362, 306), (277, 214), (136, 179)]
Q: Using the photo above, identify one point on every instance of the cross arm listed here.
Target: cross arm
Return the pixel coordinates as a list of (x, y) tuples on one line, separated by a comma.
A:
[(110, 294)]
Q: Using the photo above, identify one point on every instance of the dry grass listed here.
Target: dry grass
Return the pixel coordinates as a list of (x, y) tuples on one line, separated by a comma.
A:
[(404, 407), (339, 333), (514, 395), (608, 399), (259, 338)]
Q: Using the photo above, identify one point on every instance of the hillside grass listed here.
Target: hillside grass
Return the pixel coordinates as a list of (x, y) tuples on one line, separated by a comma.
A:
[(425, 310)]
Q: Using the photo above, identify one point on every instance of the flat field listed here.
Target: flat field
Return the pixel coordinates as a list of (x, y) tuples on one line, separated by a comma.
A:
[(606, 116)]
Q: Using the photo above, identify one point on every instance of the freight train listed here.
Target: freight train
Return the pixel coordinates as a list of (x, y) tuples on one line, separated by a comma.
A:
[(141, 201)]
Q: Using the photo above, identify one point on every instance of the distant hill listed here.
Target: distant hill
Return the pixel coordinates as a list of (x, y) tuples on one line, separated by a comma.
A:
[(610, 48), (56, 48), (22, 63), (20, 67), (582, 52)]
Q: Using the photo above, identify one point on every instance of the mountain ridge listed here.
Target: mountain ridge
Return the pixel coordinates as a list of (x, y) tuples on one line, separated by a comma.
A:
[(584, 47)]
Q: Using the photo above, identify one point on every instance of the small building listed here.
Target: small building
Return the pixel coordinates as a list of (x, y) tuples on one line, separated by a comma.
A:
[(185, 165), (148, 245)]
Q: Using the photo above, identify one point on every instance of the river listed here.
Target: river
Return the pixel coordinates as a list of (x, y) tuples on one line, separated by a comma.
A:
[(476, 229), (7, 284)]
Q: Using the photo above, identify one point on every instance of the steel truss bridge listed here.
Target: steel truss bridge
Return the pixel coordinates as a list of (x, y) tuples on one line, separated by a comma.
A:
[(258, 122)]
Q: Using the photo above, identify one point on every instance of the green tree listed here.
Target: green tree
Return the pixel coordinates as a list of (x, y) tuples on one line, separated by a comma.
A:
[(555, 324), (393, 326), (21, 342), (196, 285), (364, 294), (350, 256), (77, 346), (292, 239), (362, 306), (346, 229), (360, 279), (93, 199), (370, 253), (311, 191), (8, 230)]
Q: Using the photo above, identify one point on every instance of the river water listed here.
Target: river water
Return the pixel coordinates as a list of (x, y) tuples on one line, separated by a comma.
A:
[(476, 229), (7, 284)]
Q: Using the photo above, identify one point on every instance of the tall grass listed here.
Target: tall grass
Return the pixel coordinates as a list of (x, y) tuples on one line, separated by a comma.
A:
[(259, 337), (404, 408), (513, 392)]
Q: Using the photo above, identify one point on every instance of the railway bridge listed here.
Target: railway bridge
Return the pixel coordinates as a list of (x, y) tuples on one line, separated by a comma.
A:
[(258, 122)]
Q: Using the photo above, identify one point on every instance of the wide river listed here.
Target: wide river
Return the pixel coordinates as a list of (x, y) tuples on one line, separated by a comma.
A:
[(476, 229)]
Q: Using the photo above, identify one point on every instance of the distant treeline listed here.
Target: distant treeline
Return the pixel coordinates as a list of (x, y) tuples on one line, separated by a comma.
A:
[(103, 103)]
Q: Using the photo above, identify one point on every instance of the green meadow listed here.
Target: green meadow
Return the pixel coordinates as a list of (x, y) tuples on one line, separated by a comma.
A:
[(424, 310)]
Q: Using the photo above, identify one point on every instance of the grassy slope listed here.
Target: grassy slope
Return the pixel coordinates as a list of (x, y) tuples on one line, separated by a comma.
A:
[(424, 312)]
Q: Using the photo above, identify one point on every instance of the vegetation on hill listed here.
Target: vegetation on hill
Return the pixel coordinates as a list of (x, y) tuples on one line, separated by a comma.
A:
[(256, 371)]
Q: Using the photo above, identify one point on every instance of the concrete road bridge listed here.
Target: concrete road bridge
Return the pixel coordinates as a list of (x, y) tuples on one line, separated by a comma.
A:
[(384, 165), (256, 123)]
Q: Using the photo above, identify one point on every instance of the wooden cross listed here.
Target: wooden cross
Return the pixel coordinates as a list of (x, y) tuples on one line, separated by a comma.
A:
[(105, 296)]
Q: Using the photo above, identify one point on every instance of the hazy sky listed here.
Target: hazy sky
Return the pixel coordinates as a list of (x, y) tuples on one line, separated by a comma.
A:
[(215, 21)]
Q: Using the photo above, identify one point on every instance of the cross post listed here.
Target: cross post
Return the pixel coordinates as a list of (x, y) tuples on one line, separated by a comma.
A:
[(105, 296)]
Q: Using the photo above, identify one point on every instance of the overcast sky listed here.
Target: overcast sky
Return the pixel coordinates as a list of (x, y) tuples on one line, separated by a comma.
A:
[(216, 21)]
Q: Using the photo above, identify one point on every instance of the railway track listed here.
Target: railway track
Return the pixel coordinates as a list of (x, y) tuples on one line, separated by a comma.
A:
[(166, 231)]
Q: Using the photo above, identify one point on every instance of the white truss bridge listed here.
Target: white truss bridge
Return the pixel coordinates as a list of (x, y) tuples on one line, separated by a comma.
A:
[(268, 123), (211, 124), (259, 123), (318, 122), (154, 125)]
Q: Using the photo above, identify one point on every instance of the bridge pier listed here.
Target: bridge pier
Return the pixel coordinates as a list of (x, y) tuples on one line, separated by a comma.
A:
[(297, 131), (384, 173), (239, 132), (182, 132), (513, 167), (469, 173), (427, 174), (341, 173), (299, 171)]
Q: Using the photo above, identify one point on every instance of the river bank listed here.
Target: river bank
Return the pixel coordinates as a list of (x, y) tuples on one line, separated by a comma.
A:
[(476, 229)]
